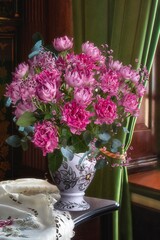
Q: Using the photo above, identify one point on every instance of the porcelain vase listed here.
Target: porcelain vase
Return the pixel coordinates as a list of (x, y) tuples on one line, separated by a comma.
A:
[(72, 179)]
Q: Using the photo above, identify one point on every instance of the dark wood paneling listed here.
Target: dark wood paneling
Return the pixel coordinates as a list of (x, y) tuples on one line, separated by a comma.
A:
[(145, 199), (9, 27), (59, 18), (88, 231), (145, 223), (34, 19)]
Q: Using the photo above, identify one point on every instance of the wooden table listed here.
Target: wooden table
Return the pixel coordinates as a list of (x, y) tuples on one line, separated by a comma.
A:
[(102, 208)]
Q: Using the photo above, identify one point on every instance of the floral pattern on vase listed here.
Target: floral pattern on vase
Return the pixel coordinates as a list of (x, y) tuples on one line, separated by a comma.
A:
[(72, 179)]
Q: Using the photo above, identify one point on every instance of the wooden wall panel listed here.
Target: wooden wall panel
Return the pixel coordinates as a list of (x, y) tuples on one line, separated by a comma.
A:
[(60, 18), (146, 137), (33, 20)]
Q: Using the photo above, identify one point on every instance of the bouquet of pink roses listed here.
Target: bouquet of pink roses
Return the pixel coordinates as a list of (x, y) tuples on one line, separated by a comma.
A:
[(65, 102)]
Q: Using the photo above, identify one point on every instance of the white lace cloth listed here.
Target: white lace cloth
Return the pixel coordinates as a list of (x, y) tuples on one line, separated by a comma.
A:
[(27, 211)]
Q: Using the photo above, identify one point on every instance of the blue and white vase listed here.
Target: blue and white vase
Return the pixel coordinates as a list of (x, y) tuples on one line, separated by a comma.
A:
[(72, 179)]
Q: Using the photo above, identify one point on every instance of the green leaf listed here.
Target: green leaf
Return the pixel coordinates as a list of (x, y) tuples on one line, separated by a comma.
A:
[(36, 37), (104, 136), (54, 160), (79, 144), (104, 127), (125, 130), (114, 149), (51, 49), (8, 102), (14, 141), (24, 144), (36, 49), (98, 143), (28, 130), (65, 137), (65, 133), (83, 157), (114, 128), (116, 143), (100, 164), (87, 136), (67, 153), (27, 119), (48, 116)]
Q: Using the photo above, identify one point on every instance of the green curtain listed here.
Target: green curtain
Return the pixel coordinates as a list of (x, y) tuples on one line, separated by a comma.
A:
[(131, 28)]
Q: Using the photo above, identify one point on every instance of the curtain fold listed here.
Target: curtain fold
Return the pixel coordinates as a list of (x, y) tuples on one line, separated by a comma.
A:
[(131, 29)]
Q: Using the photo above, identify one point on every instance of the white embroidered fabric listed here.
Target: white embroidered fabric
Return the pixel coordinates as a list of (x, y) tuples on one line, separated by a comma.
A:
[(27, 211)]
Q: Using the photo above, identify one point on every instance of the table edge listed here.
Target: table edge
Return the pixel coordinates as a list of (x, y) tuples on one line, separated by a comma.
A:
[(88, 215)]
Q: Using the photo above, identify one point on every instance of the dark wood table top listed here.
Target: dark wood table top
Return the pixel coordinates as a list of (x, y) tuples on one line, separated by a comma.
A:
[(98, 207)]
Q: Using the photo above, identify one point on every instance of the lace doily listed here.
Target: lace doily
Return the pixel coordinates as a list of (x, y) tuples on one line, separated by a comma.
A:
[(27, 211)]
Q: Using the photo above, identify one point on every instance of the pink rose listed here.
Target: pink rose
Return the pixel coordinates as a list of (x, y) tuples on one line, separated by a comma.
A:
[(83, 96), (115, 65), (135, 77), (81, 62), (47, 88), (130, 103), (22, 107), (140, 89), (91, 50), (79, 78), (110, 82), (21, 71), (28, 89), (45, 137), (74, 79), (106, 111), (62, 43), (13, 91), (126, 72), (76, 117)]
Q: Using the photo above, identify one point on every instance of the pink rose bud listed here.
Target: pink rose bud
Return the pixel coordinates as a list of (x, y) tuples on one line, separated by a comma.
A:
[(62, 43), (91, 50), (116, 65), (21, 70)]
